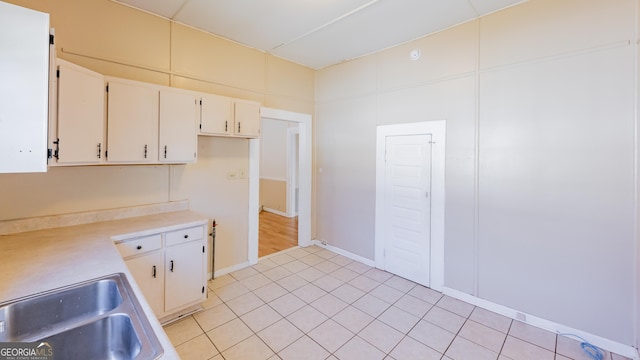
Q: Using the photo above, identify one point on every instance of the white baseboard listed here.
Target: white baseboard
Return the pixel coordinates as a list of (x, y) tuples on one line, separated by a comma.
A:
[(606, 344), (274, 211), (345, 253)]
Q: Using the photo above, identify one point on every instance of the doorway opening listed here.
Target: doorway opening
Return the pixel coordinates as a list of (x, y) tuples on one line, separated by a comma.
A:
[(303, 184), (409, 217)]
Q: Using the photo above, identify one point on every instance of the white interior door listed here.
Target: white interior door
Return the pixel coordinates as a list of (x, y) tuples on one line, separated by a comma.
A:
[(407, 207)]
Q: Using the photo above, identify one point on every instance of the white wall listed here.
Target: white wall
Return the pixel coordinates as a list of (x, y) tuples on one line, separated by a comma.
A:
[(540, 107), (273, 152)]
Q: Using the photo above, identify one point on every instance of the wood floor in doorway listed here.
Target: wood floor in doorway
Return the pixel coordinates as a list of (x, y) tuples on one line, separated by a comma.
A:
[(277, 233)]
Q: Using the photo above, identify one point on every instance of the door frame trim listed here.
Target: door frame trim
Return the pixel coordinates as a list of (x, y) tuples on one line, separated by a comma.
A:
[(437, 129)]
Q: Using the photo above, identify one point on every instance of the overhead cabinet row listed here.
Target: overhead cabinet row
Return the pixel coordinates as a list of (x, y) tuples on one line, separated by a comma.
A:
[(117, 121)]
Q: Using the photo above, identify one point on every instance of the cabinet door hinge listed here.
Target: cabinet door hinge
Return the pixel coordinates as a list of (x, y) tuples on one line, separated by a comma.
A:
[(58, 73), (52, 39), (203, 289), (200, 126), (203, 249)]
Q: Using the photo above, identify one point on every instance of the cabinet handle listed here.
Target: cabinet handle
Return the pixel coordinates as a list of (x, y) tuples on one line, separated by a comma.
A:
[(165, 151), (145, 151), (99, 150), (238, 127), (154, 271), (139, 247), (226, 128), (186, 236), (171, 267)]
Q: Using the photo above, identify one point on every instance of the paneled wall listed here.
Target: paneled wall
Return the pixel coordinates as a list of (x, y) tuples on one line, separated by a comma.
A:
[(120, 41), (540, 105)]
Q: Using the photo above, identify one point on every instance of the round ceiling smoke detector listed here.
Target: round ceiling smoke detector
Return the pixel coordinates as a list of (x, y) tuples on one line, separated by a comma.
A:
[(415, 54)]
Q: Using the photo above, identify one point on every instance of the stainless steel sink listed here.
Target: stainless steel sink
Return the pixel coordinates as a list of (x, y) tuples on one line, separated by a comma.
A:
[(97, 319)]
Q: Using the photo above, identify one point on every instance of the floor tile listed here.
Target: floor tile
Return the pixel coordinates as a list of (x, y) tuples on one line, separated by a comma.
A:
[(347, 293), (307, 318), (264, 265), (409, 348), (571, 348), (309, 293), (221, 281), (250, 349), (364, 283), (231, 291), (515, 348), (304, 348), (358, 267), (371, 305), (295, 266), (292, 282), (432, 335), (287, 304), (229, 334), (491, 319), (328, 283), (245, 303), (455, 306), (277, 273), (381, 335), (344, 274), (330, 335), (387, 293), (378, 275), (312, 249), (358, 349), (280, 335), (425, 294), (270, 292), (282, 258), (260, 318), (199, 348), (311, 274), (214, 317), (413, 305), (327, 267), (483, 335), (462, 349), (326, 254), (244, 273), (255, 281), (399, 319), (212, 300), (312, 259), (329, 305), (534, 335), (341, 260), (445, 319), (353, 319), (182, 331), (399, 283), (298, 253)]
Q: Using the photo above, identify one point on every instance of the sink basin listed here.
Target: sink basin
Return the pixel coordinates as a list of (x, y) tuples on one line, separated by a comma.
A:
[(97, 319), (28, 318)]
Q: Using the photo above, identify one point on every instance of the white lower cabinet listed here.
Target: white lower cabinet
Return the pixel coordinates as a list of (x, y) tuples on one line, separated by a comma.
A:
[(169, 267)]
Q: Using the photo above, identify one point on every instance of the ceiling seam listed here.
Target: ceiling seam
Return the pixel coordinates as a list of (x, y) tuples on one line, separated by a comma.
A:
[(179, 9)]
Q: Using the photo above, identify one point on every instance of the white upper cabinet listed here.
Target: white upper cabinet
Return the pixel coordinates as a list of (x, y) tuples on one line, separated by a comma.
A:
[(81, 115), (216, 115), (247, 119), (229, 117), (132, 122), (24, 70), (179, 111)]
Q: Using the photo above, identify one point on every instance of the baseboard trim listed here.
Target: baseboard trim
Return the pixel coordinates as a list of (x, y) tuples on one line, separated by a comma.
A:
[(274, 211), (345, 253), (606, 344)]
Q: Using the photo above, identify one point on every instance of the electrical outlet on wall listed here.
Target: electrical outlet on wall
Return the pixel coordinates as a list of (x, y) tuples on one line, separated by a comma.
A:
[(242, 174), (232, 175)]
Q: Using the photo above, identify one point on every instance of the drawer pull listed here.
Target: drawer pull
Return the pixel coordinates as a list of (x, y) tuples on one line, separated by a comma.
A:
[(139, 247), (171, 268), (154, 271)]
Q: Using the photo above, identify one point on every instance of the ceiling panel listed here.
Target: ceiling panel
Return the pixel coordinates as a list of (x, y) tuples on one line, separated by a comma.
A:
[(379, 26), (484, 7), (319, 33), (166, 8), (264, 24)]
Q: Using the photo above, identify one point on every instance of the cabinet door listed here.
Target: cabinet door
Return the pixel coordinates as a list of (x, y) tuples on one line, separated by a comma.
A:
[(178, 133), (80, 126), (24, 40), (185, 279), (247, 119), (148, 270), (216, 115), (132, 122)]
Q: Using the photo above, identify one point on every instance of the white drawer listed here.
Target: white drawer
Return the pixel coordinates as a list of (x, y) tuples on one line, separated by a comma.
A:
[(140, 245), (184, 235)]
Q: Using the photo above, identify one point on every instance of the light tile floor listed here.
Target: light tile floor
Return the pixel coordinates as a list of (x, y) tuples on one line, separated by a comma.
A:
[(311, 303)]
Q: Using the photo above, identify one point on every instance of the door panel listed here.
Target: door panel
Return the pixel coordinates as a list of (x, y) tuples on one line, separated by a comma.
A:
[(407, 206)]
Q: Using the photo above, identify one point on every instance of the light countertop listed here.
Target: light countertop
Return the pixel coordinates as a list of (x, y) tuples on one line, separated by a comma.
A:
[(37, 261)]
